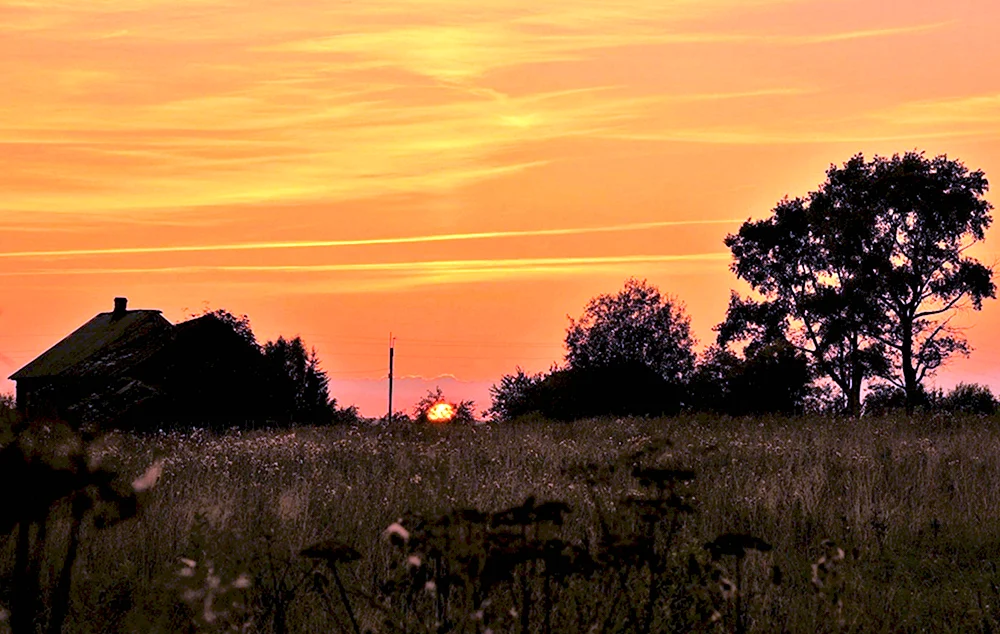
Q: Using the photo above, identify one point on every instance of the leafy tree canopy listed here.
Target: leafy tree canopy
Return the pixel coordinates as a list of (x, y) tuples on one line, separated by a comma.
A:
[(864, 273), (636, 325), (514, 395), (302, 385), (930, 212)]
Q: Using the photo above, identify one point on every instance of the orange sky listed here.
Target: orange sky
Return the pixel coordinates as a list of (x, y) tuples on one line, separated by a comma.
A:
[(464, 174)]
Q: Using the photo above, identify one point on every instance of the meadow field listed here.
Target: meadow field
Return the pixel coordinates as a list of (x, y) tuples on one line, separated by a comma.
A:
[(682, 524)]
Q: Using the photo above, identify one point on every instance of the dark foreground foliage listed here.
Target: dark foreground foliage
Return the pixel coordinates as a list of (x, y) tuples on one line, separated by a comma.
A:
[(57, 492), (685, 524)]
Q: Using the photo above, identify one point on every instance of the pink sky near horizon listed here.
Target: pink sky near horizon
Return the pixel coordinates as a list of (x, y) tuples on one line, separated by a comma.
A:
[(464, 175)]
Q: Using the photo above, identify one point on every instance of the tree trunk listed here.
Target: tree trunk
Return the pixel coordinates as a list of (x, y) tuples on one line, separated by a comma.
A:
[(855, 380), (910, 385), (854, 400)]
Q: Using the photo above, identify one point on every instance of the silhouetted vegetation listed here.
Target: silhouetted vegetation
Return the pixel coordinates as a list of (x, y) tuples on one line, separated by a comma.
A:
[(630, 353), (964, 398), (8, 409), (731, 527), (636, 326), (280, 381), (57, 493), (300, 388), (768, 379), (514, 394), (462, 411), (970, 398), (568, 394), (864, 273), (239, 324)]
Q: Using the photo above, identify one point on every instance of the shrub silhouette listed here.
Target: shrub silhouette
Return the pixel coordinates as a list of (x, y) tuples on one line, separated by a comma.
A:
[(964, 398), (768, 379), (622, 389), (970, 398), (514, 395)]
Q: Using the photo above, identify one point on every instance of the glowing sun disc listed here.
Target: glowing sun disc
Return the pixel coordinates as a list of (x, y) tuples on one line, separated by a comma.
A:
[(441, 413)]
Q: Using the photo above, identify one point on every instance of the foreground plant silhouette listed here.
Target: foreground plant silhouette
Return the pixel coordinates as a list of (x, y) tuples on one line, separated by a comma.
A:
[(519, 569), (48, 471), (265, 497)]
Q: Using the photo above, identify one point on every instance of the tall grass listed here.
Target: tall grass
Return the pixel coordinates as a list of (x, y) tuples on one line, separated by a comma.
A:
[(873, 525)]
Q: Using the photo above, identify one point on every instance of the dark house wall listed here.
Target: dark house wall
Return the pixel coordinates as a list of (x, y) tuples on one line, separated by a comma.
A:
[(208, 375), (53, 398)]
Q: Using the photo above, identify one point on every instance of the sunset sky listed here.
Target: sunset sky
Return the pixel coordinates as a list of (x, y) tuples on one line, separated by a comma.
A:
[(462, 173)]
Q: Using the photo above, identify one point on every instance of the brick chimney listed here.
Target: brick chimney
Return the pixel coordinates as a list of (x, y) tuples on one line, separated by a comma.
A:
[(121, 304)]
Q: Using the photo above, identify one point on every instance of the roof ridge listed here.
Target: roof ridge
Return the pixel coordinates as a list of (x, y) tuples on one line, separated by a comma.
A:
[(94, 338)]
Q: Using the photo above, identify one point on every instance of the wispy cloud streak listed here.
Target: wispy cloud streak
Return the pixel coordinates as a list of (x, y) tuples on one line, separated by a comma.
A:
[(391, 277), (453, 266), (326, 244)]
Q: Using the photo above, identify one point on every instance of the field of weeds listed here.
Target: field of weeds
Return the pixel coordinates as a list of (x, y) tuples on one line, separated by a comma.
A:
[(688, 524)]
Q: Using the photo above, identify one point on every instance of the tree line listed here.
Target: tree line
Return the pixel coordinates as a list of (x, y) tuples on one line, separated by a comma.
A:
[(855, 284), (279, 381)]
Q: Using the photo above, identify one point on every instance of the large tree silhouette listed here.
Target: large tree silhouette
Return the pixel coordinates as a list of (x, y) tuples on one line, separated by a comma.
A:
[(865, 273), (932, 211), (812, 296)]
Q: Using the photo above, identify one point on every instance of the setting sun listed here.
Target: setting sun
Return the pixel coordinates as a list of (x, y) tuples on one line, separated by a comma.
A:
[(441, 413)]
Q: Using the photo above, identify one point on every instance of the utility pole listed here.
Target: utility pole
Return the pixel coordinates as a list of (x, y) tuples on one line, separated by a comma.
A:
[(392, 351)]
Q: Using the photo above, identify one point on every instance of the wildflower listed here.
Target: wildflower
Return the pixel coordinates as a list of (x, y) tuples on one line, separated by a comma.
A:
[(817, 580), (727, 588), (188, 569), (242, 581), (148, 479), (824, 571), (396, 533)]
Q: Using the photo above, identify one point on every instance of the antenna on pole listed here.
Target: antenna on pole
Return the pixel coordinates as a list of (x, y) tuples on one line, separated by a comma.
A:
[(392, 350)]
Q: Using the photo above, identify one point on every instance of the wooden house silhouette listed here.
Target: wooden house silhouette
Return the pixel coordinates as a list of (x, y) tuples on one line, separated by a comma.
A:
[(133, 367)]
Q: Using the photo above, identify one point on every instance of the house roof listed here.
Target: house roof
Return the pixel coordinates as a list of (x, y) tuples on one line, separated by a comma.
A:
[(105, 346)]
